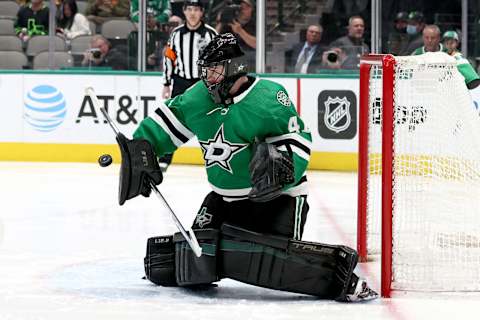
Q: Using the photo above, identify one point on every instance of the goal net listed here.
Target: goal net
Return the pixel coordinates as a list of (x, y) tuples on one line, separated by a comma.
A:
[(419, 173)]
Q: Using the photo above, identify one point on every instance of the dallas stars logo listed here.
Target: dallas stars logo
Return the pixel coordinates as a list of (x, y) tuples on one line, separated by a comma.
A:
[(218, 151)]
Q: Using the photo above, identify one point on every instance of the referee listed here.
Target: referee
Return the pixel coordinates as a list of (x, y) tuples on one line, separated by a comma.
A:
[(181, 55), (184, 46)]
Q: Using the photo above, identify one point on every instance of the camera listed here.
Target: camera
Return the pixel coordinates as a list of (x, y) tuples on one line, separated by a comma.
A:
[(96, 53), (332, 56), (229, 13)]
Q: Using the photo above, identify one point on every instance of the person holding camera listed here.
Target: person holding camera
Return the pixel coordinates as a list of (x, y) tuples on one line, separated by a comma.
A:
[(333, 58), (353, 44), (306, 57), (101, 54), (181, 55), (239, 19), (155, 59)]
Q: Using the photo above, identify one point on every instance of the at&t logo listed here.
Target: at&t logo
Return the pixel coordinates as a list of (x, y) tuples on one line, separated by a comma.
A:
[(45, 108)]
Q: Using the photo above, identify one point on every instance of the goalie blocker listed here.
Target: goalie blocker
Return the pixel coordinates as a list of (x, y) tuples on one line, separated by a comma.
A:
[(268, 261)]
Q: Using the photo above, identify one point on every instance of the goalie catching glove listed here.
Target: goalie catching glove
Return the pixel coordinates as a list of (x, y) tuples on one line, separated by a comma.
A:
[(270, 171), (139, 167)]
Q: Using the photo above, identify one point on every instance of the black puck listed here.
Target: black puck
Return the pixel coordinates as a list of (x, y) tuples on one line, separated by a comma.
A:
[(105, 160)]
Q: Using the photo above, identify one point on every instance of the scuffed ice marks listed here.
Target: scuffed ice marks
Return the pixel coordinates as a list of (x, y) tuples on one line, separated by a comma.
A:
[(121, 279)]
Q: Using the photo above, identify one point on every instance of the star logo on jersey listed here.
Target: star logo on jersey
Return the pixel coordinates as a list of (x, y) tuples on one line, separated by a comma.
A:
[(218, 151), (203, 218)]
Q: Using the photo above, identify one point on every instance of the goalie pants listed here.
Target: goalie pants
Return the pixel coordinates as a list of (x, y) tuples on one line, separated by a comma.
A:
[(285, 215)]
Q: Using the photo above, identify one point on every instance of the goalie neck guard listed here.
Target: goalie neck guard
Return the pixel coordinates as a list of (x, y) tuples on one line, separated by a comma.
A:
[(221, 65)]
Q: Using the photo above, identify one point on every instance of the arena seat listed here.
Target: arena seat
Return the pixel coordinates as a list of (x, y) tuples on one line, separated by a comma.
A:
[(10, 43), (60, 60), (12, 60)]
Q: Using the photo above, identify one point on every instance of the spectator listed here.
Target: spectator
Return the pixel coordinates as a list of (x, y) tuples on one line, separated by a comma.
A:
[(398, 39), (415, 26), (101, 54), (353, 44), (100, 11), (431, 40), (158, 12), (155, 59), (72, 23), (451, 41), (181, 55), (32, 20), (242, 25), (306, 57)]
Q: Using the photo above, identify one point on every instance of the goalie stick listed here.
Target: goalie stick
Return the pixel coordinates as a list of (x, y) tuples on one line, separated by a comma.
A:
[(190, 235)]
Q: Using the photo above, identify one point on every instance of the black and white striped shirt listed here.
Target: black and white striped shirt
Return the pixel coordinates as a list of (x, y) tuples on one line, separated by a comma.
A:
[(184, 47)]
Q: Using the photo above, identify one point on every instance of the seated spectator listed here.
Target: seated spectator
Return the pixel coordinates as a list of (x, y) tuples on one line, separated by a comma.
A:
[(158, 13), (306, 57), (353, 44), (101, 54), (431, 40), (72, 23), (415, 26), (242, 23), (100, 11), (155, 59), (32, 20), (451, 41), (398, 39)]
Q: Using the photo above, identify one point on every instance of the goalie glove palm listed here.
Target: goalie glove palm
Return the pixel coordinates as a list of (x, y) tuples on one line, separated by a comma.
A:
[(270, 171), (139, 167)]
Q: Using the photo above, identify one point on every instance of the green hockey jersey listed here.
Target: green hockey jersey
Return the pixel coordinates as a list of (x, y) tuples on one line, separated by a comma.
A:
[(226, 135)]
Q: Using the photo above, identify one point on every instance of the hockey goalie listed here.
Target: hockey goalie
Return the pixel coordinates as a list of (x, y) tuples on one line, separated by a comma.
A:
[(256, 150)]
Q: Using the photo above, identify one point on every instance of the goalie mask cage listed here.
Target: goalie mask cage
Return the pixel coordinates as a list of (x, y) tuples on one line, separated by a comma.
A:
[(419, 174)]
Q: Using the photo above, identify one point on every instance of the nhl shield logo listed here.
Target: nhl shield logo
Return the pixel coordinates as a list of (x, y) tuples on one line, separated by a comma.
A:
[(337, 115)]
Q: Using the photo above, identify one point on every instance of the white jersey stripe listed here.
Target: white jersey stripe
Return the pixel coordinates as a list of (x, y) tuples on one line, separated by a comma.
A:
[(231, 192), (290, 136), (297, 150)]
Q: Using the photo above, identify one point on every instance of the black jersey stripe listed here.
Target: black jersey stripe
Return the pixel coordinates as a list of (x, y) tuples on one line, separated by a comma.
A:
[(190, 54), (180, 136), (293, 142)]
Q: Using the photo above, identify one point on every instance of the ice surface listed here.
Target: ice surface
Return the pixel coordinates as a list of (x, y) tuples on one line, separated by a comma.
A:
[(68, 251)]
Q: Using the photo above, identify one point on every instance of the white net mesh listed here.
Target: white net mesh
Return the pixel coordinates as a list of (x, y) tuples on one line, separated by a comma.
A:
[(436, 183)]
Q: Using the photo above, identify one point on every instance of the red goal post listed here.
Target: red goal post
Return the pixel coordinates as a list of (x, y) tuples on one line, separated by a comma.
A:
[(387, 63), (418, 174)]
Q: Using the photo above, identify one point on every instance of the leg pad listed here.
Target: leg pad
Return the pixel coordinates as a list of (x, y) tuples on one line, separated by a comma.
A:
[(160, 261), (191, 270), (284, 264)]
